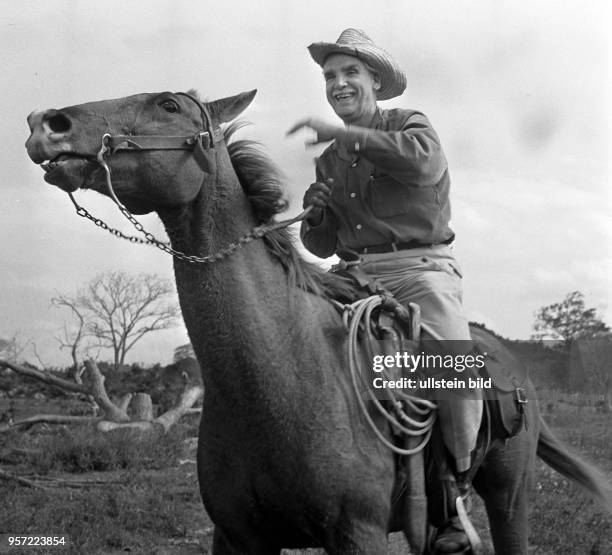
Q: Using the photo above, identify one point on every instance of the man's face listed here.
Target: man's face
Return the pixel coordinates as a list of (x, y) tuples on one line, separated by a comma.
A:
[(350, 88)]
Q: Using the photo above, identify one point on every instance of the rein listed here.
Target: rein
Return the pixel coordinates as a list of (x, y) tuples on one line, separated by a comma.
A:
[(201, 144)]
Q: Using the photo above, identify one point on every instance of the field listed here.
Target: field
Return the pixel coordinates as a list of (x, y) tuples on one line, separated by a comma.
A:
[(117, 494)]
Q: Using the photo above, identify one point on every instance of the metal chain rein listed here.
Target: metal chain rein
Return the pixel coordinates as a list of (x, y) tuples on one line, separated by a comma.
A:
[(256, 233)]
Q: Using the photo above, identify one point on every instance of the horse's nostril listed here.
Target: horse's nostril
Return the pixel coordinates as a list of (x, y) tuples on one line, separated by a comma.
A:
[(58, 123)]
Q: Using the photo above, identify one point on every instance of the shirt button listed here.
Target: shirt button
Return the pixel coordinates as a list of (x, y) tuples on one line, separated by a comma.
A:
[(358, 226), (354, 164), (353, 195)]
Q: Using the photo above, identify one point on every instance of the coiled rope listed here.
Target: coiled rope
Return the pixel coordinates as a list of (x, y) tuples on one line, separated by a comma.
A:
[(356, 318)]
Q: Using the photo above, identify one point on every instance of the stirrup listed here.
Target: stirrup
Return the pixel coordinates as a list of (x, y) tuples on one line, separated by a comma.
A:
[(458, 533), (468, 527)]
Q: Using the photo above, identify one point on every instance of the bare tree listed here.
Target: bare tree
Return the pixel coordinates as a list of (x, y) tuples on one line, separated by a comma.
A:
[(73, 340), (118, 310)]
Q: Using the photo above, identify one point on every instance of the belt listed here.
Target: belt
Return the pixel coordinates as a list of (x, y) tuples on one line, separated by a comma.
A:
[(352, 254)]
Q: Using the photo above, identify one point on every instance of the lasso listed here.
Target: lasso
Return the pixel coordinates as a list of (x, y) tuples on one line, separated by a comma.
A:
[(356, 317)]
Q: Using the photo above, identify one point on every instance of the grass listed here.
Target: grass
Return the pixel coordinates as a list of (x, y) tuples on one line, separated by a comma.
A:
[(130, 517), (565, 520), (157, 495), (156, 507), (84, 450)]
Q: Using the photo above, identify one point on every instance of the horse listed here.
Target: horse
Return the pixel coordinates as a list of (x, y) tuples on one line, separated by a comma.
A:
[(285, 459)]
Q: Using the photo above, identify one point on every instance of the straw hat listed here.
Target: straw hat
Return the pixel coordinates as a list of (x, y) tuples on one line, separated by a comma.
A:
[(354, 42)]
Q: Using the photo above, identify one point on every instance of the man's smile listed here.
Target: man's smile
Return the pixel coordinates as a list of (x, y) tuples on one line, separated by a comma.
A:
[(344, 95)]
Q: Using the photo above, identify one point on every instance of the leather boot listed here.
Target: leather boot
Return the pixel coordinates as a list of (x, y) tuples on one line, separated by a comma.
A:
[(457, 535)]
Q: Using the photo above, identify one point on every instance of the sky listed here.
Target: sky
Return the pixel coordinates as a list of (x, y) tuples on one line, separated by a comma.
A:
[(519, 93)]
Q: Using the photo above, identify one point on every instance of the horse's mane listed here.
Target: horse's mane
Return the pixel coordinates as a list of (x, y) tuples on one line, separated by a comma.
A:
[(262, 183)]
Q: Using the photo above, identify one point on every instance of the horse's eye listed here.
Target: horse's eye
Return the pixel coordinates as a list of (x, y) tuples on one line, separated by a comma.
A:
[(170, 106)]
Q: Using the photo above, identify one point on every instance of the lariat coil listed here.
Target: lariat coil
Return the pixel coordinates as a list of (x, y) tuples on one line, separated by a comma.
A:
[(357, 317)]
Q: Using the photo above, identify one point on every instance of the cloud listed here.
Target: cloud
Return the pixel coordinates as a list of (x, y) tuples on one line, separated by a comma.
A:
[(518, 92)]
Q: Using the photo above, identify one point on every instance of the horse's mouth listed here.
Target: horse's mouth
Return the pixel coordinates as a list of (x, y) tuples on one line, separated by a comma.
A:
[(69, 171)]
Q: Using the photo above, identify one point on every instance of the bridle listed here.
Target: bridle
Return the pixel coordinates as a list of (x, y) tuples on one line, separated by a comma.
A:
[(202, 145)]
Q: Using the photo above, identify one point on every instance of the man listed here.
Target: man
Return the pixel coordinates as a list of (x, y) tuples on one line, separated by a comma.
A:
[(381, 195)]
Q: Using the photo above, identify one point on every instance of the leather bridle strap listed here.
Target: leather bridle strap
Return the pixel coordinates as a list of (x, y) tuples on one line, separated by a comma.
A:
[(200, 143)]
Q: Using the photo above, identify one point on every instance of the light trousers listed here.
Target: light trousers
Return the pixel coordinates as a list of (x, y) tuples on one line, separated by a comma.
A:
[(431, 278)]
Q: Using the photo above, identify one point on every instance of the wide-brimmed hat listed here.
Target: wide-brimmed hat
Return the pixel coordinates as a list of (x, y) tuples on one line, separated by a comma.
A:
[(354, 42)]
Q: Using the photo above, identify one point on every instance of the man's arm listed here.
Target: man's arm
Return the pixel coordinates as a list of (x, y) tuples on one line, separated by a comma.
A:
[(412, 154)]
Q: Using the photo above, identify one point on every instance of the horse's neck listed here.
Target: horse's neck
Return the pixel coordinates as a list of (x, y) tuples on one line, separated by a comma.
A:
[(234, 307)]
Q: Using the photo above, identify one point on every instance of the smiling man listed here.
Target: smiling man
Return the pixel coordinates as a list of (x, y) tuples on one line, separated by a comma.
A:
[(381, 198)]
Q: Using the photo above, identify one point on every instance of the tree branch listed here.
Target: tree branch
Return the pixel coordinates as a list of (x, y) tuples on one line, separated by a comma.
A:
[(48, 419), (45, 377), (111, 411)]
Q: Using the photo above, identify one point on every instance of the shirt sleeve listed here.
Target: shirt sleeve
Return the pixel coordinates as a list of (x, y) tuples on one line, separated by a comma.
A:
[(412, 154), (321, 239)]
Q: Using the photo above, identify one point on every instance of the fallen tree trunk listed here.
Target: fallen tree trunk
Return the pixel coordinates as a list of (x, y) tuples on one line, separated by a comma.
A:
[(48, 482), (19, 479), (98, 392), (46, 377), (115, 416), (26, 423), (189, 397)]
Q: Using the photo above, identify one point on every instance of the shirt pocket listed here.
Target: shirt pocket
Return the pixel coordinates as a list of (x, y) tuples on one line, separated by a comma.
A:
[(388, 197)]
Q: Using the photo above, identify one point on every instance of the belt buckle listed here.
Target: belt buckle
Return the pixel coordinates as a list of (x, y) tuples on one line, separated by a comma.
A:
[(349, 256), (344, 265)]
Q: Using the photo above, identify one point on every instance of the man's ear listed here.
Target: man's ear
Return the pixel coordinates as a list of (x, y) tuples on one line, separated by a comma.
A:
[(377, 82), (226, 109)]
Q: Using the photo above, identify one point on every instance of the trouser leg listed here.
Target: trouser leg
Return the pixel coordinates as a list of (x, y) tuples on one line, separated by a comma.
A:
[(432, 279)]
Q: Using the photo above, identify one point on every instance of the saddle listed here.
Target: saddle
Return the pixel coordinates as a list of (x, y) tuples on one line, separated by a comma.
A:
[(505, 399), (425, 483), (508, 374)]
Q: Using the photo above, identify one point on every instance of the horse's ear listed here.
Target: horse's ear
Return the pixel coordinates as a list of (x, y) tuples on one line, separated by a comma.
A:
[(226, 109)]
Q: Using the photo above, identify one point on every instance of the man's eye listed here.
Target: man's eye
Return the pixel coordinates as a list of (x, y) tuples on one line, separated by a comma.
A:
[(170, 106)]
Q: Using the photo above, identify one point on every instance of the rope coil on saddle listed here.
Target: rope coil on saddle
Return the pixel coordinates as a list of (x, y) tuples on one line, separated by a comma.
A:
[(357, 318)]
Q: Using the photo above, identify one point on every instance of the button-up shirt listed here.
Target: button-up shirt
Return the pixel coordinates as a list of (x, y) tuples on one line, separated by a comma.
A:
[(390, 185)]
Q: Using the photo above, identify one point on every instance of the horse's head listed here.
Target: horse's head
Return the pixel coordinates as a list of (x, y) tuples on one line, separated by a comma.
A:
[(159, 147)]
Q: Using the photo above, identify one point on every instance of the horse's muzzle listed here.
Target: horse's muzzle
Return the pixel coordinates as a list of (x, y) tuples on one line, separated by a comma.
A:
[(50, 133)]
